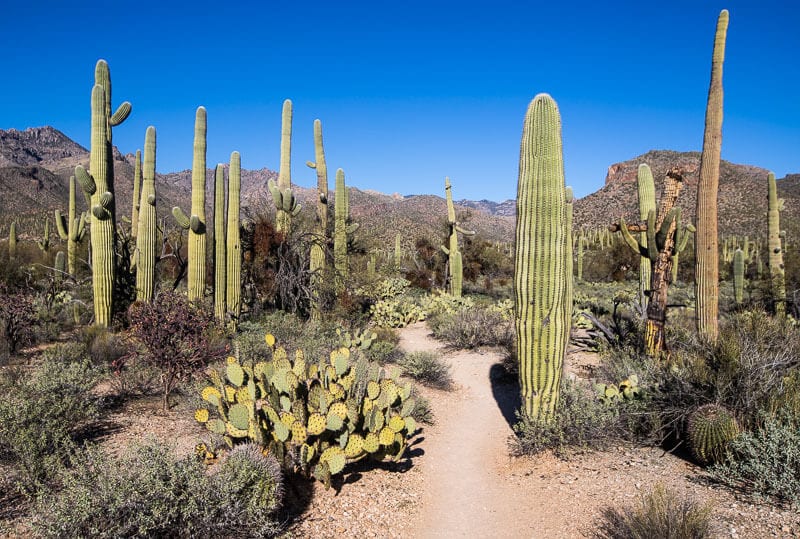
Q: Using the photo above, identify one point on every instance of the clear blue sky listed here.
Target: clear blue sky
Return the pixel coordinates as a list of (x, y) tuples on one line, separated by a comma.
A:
[(409, 92)]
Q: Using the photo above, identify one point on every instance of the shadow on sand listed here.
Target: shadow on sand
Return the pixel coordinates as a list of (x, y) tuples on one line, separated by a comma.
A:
[(505, 389)]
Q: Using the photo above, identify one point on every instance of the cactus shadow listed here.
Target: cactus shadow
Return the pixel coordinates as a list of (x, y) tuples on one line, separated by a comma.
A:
[(505, 390)]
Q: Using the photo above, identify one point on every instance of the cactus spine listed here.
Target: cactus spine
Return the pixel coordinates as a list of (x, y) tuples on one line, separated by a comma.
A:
[(776, 272), (233, 293), (706, 246), (146, 221), (540, 278), (98, 183), (647, 203), (317, 258), (71, 229), (285, 203), (137, 182), (196, 224), (455, 261), (738, 276), (220, 258)]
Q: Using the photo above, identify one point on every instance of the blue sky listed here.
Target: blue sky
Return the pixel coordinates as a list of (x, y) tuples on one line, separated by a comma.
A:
[(411, 92)]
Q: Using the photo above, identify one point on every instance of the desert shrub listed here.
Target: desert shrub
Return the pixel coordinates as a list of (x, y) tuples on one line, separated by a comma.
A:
[(39, 415), (104, 347), (470, 328), (65, 353), (150, 493), (312, 337), (176, 336), (422, 411), (383, 352), (17, 319), (581, 422), (135, 378), (659, 514), (427, 368), (766, 461)]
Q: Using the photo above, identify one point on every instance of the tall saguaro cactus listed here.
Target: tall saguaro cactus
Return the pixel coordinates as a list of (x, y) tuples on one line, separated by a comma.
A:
[(146, 235), (233, 292), (12, 240), (196, 223), (285, 202), (776, 271), (647, 203), (220, 256), (661, 228), (71, 229), (707, 241), (341, 228), (137, 184), (98, 183), (738, 276), (317, 258), (540, 260), (455, 261)]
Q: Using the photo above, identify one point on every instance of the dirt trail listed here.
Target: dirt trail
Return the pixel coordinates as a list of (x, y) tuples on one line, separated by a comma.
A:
[(469, 491)]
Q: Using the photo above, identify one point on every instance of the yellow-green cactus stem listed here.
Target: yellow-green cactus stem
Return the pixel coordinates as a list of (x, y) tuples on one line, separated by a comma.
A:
[(285, 202), (707, 241), (647, 202), (738, 276), (146, 236), (233, 293), (98, 184), (137, 182), (196, 222), (317, 256), (455, 263), (540, 279), (12, 240), (71, 229), (341, 215), (44, 243), (220, 259), (776, 269)]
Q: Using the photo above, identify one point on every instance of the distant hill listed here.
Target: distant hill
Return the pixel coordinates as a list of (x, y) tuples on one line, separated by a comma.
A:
[(35, 165)]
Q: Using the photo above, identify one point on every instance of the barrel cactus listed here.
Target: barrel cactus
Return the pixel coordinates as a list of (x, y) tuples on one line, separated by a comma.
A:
[(710, 429)]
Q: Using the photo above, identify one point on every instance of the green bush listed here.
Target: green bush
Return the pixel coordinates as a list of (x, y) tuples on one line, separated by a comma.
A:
[(470, 328), (40, 414), (104, 347), (765, 462), (149, 493), (427, 368), (581, 422), (660, 514)]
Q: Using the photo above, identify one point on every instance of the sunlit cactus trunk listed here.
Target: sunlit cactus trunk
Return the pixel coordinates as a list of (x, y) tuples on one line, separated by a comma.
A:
[(220, 258), (137, 184), (776, 269), (71, 229), (98, 183), (285, 202), (647, 202), (540, 261), (317, 255), (233, 294), (707, 241), (341, 213), (196, 222), (738, 276), (146, 235)]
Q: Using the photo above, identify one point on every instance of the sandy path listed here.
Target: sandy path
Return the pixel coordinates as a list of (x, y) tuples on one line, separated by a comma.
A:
[(469, 491)]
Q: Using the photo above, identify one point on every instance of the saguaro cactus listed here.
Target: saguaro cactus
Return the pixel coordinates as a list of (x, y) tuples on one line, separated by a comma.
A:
[(71, 229), (398, 252), (285, 203), (776, 271), (233, 293), (455, 262), (196, 224), (137, 183), (12, 240), (146, 235), (738, 276), (220, 257), (317, 258), (647, 203), (341, 228), (661, 228), (44, 243), (540, 265), (706, 244), (98, 183)]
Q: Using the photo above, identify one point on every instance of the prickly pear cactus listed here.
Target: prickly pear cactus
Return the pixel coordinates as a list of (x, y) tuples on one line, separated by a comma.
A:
[(711, 428), (313, 416)]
